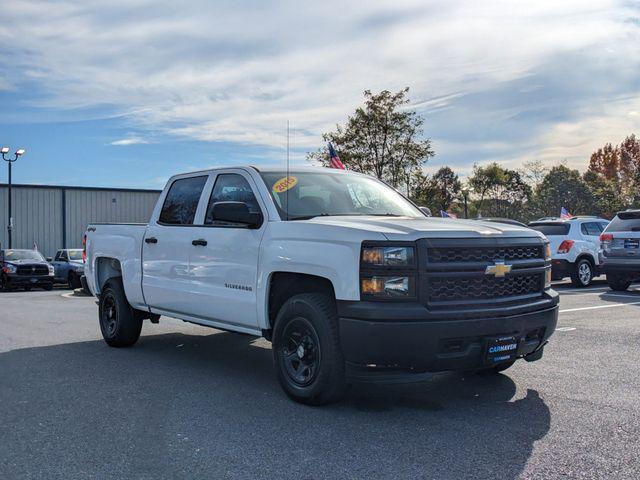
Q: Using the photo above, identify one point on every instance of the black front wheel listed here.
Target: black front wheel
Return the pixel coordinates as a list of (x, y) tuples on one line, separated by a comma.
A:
[(119, 323), (306, 350)]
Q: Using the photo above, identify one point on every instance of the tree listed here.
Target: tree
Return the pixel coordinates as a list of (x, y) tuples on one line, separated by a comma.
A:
[(606, 162), (563, 187), (606, 197), (500, 192), (534, 171), (629, 152), (382, 138), (440, 191)]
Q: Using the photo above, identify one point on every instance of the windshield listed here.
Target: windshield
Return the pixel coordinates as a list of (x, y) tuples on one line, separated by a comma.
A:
[(75, 254), (625, 222), (11, 255), (312, 194)]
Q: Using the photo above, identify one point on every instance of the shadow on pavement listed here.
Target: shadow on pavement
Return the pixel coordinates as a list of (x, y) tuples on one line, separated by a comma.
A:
[(178, 406)]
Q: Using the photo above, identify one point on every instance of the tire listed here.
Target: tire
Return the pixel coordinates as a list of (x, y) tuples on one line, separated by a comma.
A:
[(582, 274), (5, 286), (497, 369), (48, 287), (119, 323), (619, 283), (73, 281), (306, 350)]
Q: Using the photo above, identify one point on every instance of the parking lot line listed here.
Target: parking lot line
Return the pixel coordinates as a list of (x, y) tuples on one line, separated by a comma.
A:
[(599, 306)]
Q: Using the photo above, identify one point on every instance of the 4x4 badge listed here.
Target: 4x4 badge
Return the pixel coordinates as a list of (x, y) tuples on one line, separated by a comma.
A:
[(499, 269)]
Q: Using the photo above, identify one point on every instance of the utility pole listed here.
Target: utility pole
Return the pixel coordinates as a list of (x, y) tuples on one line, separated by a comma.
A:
[(10, 161)]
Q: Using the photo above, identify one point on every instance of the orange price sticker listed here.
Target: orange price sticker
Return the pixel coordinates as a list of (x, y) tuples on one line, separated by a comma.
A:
[(284, 184)]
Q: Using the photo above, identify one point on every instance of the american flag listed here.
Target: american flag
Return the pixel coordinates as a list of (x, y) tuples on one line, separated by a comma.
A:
[(335, 162), (564, 213)]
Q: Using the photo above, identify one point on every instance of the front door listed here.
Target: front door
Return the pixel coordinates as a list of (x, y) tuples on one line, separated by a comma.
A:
[(165, 247), (223, 257)]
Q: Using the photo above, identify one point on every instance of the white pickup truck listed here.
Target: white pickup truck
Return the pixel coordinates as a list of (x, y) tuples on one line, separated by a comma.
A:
[(348, 279)]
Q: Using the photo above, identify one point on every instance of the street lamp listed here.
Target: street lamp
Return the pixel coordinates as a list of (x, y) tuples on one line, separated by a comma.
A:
[(465, 194), (18, 153)]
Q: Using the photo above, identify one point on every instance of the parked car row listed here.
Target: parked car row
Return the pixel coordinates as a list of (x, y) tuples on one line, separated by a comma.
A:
[(27, 269)]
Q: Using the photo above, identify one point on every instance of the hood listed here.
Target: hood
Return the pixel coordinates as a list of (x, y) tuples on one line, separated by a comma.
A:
[(27, 262), (407, 228)]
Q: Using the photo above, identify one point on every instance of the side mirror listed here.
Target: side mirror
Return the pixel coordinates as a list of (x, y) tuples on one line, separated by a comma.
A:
[(426, 211), (49, 259), (236, 212)]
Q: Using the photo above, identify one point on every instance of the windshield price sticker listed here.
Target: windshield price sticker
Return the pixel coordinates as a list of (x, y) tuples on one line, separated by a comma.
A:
[(284, 184)]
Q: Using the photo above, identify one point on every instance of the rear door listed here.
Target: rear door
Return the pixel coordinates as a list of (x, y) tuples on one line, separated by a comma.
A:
[(223, 257), (590, 232), (165, 247)]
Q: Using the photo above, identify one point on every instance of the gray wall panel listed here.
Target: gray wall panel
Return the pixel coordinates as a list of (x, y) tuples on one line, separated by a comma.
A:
[(38, 213)]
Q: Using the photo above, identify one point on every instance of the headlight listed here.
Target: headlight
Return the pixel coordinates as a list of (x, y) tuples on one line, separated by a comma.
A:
[(547, 278), (388, 256), (387, 286), (51, 269), (10, 269), (547, 251)]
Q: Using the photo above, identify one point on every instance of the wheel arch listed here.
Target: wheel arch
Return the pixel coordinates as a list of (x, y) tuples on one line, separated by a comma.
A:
[(106, 268), (587, 256), (284, 285)]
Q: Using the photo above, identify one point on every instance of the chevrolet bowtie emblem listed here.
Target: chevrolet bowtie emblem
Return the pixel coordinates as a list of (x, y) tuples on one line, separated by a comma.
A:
[(499, 269)]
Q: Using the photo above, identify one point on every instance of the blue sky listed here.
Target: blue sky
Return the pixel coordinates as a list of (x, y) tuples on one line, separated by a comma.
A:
[(128, 92)]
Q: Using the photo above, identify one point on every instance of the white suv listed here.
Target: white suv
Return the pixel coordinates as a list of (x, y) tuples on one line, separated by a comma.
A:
[(575, 246)]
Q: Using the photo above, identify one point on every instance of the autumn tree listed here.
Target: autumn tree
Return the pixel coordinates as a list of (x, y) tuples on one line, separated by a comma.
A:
[(439, 191), (564, 187), (499, 191), (383, 138)]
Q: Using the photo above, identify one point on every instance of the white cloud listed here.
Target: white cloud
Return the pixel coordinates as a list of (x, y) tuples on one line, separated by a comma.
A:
[(129, 141), (238, 71)]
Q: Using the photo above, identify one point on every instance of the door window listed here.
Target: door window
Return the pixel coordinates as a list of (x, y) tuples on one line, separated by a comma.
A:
[(57, 257), (590, 229), (181, 202), (231, 187), (63, 256)]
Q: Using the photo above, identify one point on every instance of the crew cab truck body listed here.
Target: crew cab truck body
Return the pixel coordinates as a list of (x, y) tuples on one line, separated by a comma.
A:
[(349, 280)]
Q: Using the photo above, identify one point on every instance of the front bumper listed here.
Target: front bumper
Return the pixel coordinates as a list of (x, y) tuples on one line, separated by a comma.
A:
[(442, 344), (13, 280)]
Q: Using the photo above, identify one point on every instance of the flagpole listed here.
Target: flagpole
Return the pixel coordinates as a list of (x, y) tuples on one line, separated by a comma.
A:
[(287, 212)]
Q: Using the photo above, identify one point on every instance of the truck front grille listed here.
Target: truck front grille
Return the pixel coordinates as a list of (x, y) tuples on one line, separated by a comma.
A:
[(453, 272), (483, 254), (33, 270), (482, 287)]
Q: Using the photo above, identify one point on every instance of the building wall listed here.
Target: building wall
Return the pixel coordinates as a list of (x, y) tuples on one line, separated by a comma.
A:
[(38, 213)]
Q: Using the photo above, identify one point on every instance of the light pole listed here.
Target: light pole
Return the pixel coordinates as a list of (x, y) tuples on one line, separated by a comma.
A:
[(465, 194), (18, 153)]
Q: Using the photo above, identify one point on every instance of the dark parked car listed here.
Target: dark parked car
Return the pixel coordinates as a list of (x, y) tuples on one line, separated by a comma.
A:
[(25, 269), (621, 250), (69, 266)]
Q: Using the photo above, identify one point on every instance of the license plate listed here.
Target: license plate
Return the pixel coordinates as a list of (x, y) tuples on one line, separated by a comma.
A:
[(632, 243), (501, 349)]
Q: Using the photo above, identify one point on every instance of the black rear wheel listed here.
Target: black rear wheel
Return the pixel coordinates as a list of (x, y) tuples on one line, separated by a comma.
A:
[(306, 350), (582, 274), (119, 323), (73, 280), (618, 282)]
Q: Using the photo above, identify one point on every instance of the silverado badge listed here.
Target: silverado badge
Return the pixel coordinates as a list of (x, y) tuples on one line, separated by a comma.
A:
[(499, 269)]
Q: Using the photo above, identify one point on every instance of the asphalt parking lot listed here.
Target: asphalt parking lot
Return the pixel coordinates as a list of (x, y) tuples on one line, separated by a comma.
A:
[(191, 402)]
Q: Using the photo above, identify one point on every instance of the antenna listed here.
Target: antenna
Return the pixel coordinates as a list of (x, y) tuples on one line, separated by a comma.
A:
[(287, 211)]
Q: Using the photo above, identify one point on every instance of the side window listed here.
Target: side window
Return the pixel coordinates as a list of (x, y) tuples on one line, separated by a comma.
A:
[(602, 226), (590, 229), (63, 256), (181, 202), (230, 187), (57, 257)]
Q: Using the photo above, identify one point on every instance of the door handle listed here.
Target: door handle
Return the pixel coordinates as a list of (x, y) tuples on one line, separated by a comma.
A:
[(199, 242), (151, 240)]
